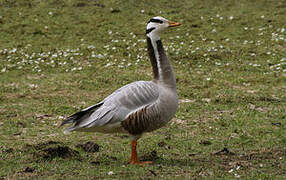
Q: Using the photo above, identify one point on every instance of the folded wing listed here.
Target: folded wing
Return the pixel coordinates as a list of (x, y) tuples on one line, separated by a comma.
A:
[(116, 107)]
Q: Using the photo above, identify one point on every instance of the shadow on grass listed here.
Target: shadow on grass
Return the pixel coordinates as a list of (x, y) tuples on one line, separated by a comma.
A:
[(176, 162), (157, 160)]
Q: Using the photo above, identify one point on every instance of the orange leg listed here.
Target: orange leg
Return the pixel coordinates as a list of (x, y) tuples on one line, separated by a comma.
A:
[(134, 155)]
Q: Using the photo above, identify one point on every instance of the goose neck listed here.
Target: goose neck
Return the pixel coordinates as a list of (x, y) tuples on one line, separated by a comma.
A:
[(162, 69)]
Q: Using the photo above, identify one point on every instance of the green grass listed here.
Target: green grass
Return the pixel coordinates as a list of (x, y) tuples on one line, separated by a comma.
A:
[(57, 57)]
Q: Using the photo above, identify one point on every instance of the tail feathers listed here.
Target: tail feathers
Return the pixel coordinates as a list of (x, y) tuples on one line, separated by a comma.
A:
[(80, 115), (68, 130)]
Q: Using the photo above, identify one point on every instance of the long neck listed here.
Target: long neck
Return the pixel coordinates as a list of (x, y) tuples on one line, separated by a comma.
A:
[(162, 69)]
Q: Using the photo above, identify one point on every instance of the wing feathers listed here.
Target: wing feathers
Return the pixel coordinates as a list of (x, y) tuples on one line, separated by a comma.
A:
[(117, 107), (75, 118)]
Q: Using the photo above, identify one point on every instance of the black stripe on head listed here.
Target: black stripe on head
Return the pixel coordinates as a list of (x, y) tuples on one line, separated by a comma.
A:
[(155, 21), (149, 30)]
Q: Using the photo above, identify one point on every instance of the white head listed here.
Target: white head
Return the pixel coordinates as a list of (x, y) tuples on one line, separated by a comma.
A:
[(157, 24)]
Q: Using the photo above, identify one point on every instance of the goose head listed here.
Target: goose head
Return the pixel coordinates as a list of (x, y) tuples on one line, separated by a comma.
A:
[(158, 24)]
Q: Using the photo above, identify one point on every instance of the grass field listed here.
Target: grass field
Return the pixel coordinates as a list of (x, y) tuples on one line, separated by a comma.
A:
[(57, 57)]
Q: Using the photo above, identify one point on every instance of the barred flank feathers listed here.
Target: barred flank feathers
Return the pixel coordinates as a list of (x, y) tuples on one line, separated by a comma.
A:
[(137, 122)]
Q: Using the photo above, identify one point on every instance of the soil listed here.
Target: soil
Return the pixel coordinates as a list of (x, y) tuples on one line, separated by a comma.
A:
[(52, 149), (151, 156), (89, 146)]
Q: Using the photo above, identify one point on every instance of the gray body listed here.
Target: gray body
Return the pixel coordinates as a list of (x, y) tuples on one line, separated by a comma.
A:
[(138, 107)]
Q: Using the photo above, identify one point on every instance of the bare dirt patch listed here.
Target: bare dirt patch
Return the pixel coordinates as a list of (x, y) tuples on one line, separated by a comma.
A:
[(256, 159), (50, 150), (150, 156), (89, 146)]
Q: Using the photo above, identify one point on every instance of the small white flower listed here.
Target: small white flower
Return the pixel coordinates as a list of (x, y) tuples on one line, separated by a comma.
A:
[(32, 86), (13, 50), (51, 13), (3, 70), (142, 11), (231, 17), (91, 47), (208, 79), (237, 175), (99, 56), (108, 64), (110, 173)]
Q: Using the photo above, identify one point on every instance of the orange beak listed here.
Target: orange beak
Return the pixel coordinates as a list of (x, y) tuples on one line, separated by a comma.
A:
[(173, 24)]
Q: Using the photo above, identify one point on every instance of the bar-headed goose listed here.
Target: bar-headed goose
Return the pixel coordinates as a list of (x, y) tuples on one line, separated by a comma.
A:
[(138, 107)]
